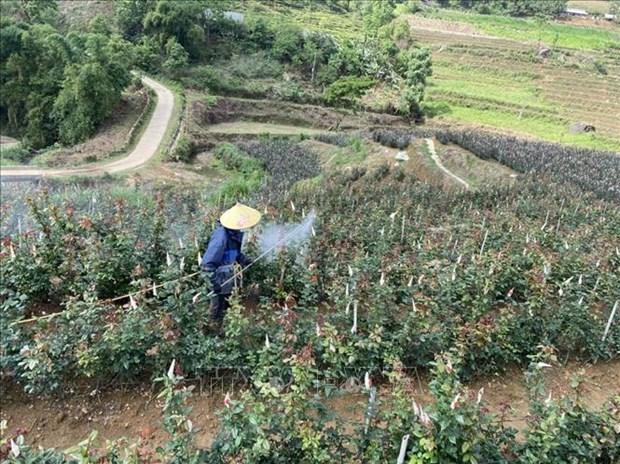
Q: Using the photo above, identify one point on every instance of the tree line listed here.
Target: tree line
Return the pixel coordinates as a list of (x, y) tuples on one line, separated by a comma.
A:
[(57, 86)]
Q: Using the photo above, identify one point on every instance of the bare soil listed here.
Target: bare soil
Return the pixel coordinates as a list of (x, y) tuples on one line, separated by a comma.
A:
[(135, 413), (474, 170), (78, 13)]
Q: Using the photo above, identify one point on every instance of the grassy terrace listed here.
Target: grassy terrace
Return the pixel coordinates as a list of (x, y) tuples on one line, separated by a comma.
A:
[(556, 34)]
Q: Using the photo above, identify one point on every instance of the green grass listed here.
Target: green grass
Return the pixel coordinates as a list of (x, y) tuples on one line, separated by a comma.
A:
[(561, 35), (538, 127), (353, 155), (341, 26), (525, 95), (495, 73), (496, 82)]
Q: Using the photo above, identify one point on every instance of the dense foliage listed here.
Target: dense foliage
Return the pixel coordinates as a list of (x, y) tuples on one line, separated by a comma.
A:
[(313, 61), (58, 86), (407, 271)]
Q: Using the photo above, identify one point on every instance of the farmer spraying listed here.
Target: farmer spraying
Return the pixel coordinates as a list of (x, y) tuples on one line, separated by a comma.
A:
[(224, 253)]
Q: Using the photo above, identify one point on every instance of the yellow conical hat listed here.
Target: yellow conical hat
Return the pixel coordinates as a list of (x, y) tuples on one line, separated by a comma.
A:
[(240, 217)]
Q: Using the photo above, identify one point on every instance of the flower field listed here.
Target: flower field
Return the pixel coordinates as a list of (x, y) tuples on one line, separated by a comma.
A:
[(399, 276)]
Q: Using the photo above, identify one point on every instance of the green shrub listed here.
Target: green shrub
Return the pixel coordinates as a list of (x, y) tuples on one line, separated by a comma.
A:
[(236, 160), (220, 81), (258, 65), (16, 154), (184, 151), (347, 89), (287, 44)]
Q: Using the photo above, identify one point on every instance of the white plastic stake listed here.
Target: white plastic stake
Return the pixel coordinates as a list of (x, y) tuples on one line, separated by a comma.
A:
[(354, 328), (611, 318), (484, 241), (403, 450)]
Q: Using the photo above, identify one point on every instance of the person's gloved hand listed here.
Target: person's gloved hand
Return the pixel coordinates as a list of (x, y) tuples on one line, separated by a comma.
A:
[(215, 286), (243, 260)]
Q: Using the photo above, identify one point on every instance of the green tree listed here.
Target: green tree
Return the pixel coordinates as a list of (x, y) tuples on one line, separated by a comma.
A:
[(418, 68), (91, 90), (185, 21), (30, 11), (176, 56), (375, 14), (129, 15), (31, 73)]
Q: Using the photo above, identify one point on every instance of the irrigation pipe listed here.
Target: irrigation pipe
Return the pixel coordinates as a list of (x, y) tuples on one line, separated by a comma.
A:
[(155, 287)]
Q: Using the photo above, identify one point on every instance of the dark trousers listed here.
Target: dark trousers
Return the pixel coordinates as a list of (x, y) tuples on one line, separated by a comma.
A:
[(219, 305)]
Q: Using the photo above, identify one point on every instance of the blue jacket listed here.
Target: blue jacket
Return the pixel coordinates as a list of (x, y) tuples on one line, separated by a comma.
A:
[(224, 248)]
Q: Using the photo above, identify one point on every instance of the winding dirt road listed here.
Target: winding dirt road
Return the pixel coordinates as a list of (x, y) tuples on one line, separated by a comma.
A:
[(144, 150)]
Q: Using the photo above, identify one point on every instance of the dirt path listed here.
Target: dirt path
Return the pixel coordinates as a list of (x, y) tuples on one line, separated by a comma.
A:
[(431, 148), (144, 150)]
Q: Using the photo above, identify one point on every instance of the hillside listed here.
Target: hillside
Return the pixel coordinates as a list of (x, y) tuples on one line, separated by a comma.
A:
[(293, 231), (518, 75)]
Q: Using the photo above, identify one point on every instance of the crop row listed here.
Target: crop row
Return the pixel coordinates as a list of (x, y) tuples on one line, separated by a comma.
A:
[(404, 270), (592, 170), (496, 103), (529, 66)]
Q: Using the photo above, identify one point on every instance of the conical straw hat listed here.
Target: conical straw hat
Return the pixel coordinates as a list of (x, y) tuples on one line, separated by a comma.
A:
[(240, 217)]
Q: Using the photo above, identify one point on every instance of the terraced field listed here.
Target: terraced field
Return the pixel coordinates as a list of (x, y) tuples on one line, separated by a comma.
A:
[(504, 84)]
